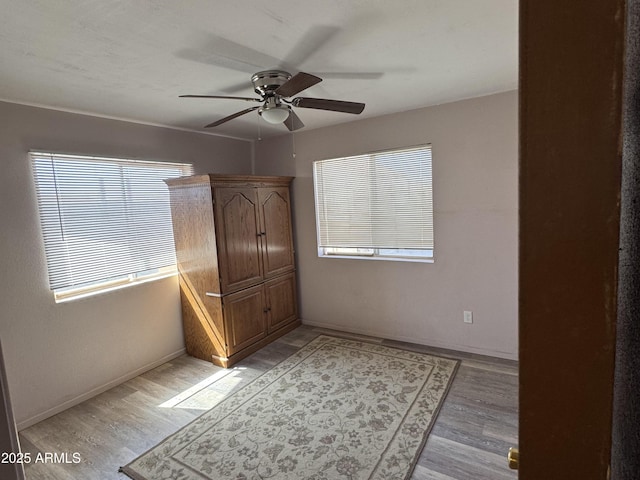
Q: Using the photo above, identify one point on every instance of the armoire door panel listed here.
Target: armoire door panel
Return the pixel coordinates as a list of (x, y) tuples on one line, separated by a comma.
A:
[(245, 318), (277, 243), (282, 306), (238, 234)]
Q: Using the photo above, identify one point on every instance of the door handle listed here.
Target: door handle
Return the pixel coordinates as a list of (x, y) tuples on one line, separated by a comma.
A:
[(513, 458)]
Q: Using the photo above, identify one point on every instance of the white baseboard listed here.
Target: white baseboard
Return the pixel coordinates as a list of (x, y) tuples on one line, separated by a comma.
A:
[(96, 391), (412, 339)]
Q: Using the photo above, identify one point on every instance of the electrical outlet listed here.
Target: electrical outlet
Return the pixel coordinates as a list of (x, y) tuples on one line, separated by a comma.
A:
[(468, 316)]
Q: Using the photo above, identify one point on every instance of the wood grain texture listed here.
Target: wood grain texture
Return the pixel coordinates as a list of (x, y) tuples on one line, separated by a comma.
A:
[(203, 339), (194, 235), (233, 232), (197, 257), (245, 317), (469, 441), (281, 301), (248, 180), (225, 180), (238, 233), (275, 221)]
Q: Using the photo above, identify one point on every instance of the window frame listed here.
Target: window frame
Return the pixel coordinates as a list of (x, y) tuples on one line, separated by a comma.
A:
[(62, 295), (117, 281), (416, 255), (376, 255)]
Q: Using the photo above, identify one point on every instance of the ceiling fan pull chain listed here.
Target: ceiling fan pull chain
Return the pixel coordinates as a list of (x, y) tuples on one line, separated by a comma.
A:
[(293, 145), (259, 124)]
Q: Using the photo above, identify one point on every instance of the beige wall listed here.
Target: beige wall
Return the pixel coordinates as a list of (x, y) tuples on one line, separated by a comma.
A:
[(475, 171), (58, 354)]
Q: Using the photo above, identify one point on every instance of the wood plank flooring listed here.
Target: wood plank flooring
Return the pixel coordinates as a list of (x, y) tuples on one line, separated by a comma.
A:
[(470, 439)]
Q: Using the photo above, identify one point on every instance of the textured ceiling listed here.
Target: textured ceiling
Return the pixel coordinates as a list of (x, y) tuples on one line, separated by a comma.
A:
[(131, 59)]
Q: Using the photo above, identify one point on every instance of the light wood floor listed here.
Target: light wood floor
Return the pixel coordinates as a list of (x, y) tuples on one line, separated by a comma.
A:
[(470, 439)]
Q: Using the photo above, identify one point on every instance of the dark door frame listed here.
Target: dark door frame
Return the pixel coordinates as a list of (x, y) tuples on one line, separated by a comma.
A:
[(571, 70)]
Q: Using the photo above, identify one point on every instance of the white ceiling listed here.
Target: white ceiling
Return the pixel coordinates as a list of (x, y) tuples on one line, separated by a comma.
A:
[(130, 59)]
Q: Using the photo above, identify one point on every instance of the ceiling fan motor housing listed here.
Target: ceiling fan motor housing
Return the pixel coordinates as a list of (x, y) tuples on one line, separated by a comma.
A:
[(269, 80)]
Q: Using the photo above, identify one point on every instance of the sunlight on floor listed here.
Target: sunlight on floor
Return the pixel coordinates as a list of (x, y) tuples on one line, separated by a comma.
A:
[(206, 400)]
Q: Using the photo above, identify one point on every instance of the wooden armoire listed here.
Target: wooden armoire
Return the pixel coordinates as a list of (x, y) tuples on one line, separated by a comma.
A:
[(235, 256)]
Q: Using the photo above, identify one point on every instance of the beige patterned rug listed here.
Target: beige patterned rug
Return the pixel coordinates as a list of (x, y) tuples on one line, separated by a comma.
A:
[(336, 409)]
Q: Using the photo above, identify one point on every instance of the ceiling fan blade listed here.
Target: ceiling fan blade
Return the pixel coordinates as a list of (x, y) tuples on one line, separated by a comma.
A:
[(293, 122), (299, 82), (248, 99), (351, 75), (207, 55), (325, 104), (220, 52), (230, 117), (313, 40), (235, 88)]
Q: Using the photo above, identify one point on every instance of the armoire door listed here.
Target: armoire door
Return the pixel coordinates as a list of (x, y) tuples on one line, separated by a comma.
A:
[(238, 234), (275, 218), (245, 318), (282, 306)]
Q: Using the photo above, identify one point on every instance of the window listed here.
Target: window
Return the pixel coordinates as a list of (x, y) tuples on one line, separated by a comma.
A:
[(106, 222), (377, 205)]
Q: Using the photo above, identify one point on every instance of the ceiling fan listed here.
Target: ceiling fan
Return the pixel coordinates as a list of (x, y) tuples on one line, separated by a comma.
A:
[(274, 88)]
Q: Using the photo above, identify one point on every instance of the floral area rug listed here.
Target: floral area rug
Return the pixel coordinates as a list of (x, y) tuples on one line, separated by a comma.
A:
[(336, 409)]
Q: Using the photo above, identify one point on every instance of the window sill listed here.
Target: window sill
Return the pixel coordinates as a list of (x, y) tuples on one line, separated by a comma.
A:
[(106, 287), (380, 257)]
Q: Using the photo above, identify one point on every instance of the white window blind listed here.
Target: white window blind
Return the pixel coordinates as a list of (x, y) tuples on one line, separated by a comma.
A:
[(103, 219), (378, 201)]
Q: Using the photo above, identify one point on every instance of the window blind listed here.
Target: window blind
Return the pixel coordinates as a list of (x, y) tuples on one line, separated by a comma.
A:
[(103, 218), (378, 200)]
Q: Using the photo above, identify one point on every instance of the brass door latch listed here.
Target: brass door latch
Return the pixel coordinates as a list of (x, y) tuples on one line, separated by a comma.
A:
[(513, 457)]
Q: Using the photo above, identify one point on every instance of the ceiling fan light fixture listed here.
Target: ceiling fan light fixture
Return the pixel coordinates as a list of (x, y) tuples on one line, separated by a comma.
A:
[(275, 115)]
